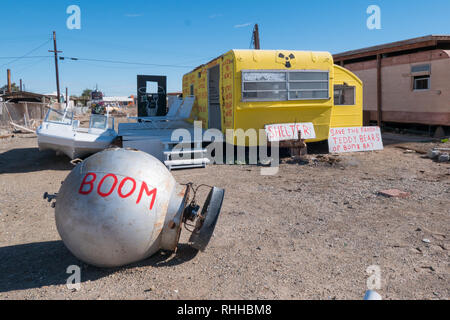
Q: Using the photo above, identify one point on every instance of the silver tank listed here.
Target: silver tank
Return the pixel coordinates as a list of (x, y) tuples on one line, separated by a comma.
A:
[(116, 207)]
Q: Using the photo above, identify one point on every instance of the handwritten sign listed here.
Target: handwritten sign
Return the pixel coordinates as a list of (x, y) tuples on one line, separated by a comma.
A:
[(356, 139), (290, 131)]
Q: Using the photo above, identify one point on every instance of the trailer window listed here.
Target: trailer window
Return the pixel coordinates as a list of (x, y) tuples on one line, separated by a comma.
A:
[(284, 85), (308, 85), (344, 95)]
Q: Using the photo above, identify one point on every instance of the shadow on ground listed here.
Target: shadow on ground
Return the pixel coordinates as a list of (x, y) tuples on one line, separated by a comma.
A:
[(397, 138), (31, 160), (34, 265)]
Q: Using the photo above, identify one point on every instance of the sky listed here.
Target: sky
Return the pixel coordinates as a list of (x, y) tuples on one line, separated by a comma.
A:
[(173, 37)]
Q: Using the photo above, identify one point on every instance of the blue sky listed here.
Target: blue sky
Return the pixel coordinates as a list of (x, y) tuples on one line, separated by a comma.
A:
[(187, 34)]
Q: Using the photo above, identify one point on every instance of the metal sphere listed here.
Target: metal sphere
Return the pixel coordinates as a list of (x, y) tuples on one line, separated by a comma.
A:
[(112, 207)]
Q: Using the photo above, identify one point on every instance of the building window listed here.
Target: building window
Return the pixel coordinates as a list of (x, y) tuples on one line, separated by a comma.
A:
[(191, 90), (284, 85), (422, 83), (344, 95), (421, 68)]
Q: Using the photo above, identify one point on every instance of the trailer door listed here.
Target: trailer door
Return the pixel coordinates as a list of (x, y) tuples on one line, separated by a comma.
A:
[(214, 114)]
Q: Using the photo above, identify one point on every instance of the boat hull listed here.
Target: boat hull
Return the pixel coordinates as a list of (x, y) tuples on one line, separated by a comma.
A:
[(78, 146)]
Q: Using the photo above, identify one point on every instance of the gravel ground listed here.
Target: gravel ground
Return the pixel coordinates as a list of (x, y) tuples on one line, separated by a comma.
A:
[(309, 232)]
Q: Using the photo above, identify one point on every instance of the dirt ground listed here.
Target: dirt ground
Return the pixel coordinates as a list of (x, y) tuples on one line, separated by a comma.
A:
[(309, 232)]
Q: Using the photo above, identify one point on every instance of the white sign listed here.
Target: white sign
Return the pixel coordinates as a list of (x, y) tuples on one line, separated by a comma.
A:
[(290, 131), (355, 139)]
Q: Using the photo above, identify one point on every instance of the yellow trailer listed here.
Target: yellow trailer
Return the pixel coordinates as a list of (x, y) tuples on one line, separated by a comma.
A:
[(248, 89)]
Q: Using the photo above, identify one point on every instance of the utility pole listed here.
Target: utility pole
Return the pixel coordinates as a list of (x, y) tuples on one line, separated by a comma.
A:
[(55, 51), (256, 37), (20, 85), (67, 97)]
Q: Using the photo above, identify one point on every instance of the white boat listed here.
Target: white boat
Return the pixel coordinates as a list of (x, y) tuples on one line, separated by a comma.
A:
[(60, 132)]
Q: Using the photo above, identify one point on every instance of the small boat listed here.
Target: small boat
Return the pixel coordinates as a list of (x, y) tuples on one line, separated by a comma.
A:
[(60, 132)]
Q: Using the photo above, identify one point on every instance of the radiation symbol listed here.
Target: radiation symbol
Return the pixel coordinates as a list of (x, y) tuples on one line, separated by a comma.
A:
[(287, 60)]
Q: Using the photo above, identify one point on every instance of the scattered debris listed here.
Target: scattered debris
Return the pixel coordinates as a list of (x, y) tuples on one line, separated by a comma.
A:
[(417, 250), (411, 150), (22, 128), (394, 193), (444, 157), (428, 268), (76, 161), (300, 160), (328, 158), (439, 154)]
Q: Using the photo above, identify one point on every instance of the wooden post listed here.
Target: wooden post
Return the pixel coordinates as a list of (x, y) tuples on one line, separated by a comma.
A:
[(26, 114), (256, 37), (8, 73), (379, 92)]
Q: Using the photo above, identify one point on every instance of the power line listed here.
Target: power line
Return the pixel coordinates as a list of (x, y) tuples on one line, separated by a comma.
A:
[(26, 54), (30, 65), (126, 62), (29, 57)]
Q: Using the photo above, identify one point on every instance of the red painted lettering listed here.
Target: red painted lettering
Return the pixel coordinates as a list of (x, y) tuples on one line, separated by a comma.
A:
[(152, 193), (90, 183), (122, 183), (112, 188)]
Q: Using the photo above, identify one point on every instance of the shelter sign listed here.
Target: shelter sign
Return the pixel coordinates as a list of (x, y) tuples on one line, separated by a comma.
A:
[(290, 131)]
